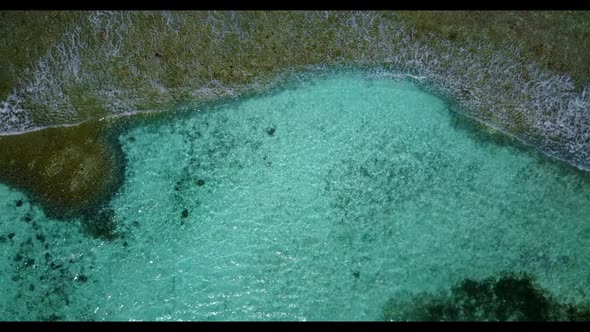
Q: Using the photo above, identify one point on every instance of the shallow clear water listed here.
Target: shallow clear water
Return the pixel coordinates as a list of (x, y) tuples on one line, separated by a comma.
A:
[(318, 202)]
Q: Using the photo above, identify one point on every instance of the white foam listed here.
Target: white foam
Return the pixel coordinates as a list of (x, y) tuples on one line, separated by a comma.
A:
[(489, 83)]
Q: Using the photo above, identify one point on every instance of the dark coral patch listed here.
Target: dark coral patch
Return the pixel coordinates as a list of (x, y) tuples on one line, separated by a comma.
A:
[(101, 225), (507, 297), (29, 262), (81, 278), (271, 131), (40, 237)]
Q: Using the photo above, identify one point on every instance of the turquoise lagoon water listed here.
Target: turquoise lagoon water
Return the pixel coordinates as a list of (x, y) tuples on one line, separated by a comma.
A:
[(321, 201)]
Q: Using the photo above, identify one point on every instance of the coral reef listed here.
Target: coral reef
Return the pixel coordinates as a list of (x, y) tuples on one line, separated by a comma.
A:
[(70, 171), (506, 297)]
